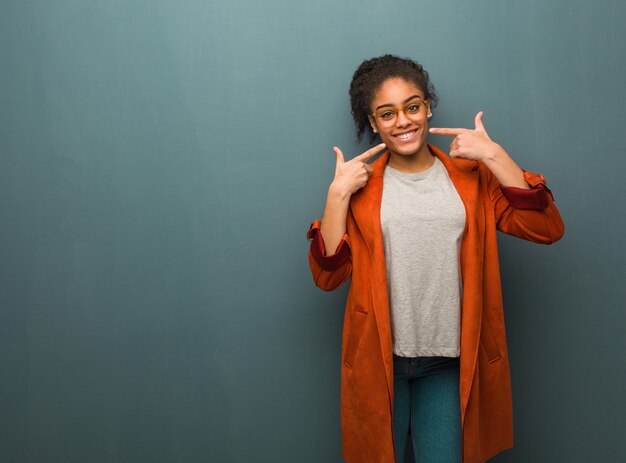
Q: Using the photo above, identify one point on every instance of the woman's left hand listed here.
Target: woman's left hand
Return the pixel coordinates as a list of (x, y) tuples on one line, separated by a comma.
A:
[(471, 144)]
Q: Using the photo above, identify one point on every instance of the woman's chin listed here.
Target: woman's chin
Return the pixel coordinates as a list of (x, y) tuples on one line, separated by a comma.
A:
[(407, 149)]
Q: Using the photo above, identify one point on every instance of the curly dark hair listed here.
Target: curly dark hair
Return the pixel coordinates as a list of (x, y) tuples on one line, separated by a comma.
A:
[(371, 74)]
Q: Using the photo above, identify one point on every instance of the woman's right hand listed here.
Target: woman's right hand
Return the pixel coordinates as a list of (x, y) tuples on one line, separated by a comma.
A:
[(352, 175)]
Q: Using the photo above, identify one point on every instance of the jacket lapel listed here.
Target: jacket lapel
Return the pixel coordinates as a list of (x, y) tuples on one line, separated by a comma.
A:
[(365, 206), (465, 177)]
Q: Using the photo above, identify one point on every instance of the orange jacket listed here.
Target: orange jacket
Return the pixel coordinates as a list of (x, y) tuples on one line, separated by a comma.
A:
[(367, 367)]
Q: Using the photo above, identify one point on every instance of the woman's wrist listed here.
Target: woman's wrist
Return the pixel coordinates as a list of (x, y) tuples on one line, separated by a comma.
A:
[(496, 156), (504, 168), (338, 193)]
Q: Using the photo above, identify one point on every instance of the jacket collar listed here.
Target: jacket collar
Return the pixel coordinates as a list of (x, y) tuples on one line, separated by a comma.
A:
[(463, 165), (365, 203)]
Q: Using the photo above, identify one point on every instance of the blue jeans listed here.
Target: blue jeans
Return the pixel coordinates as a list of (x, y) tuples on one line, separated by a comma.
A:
[(426, 397)]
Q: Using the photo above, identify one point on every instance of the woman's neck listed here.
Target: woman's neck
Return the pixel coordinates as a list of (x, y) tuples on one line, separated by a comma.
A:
[(411, 163)]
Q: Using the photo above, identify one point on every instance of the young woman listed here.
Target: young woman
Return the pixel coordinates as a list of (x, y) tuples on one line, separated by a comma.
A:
[(424, 340)]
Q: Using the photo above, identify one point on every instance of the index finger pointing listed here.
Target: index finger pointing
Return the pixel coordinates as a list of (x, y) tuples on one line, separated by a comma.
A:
[(369, 153), (446, 131)]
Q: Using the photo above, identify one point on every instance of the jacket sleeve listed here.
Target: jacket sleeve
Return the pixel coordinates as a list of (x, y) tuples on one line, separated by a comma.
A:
[(329, 271), (529, 214)]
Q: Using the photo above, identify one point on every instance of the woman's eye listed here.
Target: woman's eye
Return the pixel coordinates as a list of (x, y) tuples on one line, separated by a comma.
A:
[(413, 108), (387, 115)]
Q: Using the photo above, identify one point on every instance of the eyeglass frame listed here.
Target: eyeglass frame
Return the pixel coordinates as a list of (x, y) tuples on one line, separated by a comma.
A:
[(397, 109)]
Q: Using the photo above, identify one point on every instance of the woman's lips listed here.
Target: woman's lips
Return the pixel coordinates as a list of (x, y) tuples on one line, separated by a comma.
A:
[(406, 136)]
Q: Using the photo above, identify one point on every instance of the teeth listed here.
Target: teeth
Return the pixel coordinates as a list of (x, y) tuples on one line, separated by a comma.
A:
[(405, 135)]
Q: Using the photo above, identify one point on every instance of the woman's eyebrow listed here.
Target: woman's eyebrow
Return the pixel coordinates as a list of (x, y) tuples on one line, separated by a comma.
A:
[(405, 101)]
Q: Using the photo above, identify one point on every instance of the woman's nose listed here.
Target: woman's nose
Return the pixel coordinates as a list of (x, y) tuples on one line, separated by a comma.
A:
[(401, 119)]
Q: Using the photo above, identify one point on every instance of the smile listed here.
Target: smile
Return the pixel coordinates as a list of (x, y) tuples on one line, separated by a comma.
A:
[(406, 135)]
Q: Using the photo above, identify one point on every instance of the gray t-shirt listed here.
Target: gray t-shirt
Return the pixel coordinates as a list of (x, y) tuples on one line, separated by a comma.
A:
[(423, 219)]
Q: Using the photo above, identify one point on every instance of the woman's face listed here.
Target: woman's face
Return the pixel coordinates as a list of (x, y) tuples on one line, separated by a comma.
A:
[(401, 116)]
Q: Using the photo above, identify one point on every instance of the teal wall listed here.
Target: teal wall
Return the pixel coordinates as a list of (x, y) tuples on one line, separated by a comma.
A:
[(161, 162)]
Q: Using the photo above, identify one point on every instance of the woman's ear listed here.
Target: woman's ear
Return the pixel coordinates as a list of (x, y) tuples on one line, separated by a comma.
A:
[(429, 113), (373, 124)]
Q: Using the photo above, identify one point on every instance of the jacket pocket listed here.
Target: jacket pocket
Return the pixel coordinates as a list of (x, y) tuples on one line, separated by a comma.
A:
[(357, 326), (489, 344)]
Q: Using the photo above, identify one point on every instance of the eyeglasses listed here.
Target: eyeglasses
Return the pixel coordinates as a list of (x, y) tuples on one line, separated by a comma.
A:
[(387, 116)]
